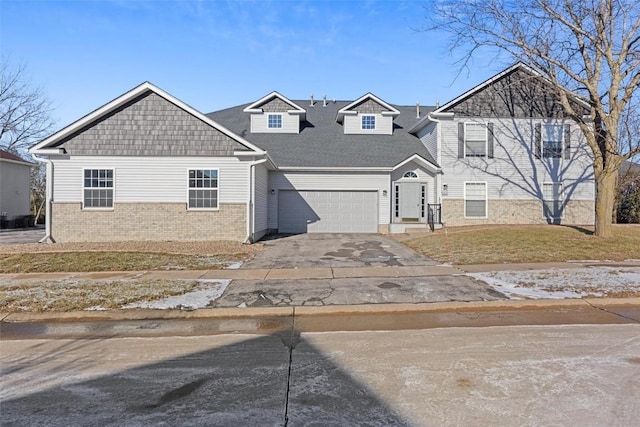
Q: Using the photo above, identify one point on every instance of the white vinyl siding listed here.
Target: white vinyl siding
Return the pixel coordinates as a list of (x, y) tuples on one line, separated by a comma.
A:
[(376, 181), (475, 140), (14, 188), (353, 125), (516, 173), (290, 123), (151, 179), (475, 199)]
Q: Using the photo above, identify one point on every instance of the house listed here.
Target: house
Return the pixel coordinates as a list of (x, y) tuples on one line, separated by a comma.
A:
[(15, 186), (146, 166)]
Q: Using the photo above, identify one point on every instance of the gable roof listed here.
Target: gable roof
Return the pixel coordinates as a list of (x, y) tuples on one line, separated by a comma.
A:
[(255, 107), (13, 158), (112, 106), (322, 143), (350, 108), (517, 67)]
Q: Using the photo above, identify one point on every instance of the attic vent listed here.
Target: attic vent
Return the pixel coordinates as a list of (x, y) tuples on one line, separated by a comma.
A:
[(311, 104), (417, 110), (324, 101)]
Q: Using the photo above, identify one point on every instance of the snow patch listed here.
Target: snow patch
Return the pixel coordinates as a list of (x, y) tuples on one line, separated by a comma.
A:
[(201, 297), (562, 283)]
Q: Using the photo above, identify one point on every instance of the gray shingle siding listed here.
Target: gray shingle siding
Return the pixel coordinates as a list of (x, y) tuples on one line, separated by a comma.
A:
[(276, 105), (322, 142), (518, 94), (149, 125), (369, 106)]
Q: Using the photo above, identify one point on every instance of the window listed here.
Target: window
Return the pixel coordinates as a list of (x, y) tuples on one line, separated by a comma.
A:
[(275, 121), (203, 189), (552, 200), (552, 141), (475, 199), (410, 174), (368, 122), (98, 188), (475, 140)]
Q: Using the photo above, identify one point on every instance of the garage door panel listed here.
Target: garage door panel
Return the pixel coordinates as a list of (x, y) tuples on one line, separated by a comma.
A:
[(322, 211)]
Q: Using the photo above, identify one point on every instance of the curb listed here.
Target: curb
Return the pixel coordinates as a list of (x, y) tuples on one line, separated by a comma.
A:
[(310, 311)]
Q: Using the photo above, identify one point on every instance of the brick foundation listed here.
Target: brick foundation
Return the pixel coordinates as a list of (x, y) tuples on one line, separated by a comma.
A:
[(577, 212), (147, 221)]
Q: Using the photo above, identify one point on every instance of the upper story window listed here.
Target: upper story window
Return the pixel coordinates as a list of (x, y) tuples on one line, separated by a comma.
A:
[(98, 188), (552, 140), (203, 188), (410, 174), (275, 121), (475, 140), (368, 122)]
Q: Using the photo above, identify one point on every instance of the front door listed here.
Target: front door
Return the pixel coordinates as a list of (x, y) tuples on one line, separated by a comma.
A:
[(410, 197)]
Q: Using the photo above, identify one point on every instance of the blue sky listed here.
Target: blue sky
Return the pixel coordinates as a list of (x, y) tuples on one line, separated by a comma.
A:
[(217, 54)]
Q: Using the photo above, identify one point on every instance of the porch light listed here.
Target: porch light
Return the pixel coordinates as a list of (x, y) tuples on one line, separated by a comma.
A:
[(273, 191), (445, 189), (384, 193)]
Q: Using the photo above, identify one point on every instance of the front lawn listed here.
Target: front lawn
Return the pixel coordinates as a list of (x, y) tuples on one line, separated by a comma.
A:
[(516, 244)]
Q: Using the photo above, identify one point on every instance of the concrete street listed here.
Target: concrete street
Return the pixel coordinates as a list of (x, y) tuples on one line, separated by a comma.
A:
[(504, 375)]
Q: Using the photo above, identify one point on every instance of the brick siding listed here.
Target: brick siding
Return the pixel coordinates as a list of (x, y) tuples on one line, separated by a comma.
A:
[(147, 221)]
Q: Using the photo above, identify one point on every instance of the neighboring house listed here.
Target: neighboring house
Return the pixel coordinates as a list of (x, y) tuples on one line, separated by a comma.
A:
[(15, 186), (146, 166)]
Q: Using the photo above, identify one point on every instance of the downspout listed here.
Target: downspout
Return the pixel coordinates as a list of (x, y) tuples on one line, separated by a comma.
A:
[(251, 209), (48, 195), (438, 156)]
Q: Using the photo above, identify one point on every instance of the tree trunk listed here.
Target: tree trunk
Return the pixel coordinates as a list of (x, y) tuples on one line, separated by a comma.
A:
[(605, 199)]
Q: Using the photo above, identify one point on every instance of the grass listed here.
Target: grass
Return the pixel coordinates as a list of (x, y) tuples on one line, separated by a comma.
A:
[(517, 244), (49, 262), (70, 295)]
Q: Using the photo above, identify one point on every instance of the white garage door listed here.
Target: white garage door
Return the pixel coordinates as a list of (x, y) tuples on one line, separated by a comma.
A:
[(327, 211)]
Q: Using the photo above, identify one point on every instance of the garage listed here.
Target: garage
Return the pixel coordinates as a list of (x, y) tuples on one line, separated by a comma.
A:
[(327, 211)]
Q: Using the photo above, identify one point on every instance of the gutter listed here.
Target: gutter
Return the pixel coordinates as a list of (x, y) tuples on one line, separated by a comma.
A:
[(251, 209)]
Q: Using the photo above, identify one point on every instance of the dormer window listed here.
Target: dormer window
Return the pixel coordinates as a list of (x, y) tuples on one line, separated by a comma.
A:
[(275, 121), (368, 122)]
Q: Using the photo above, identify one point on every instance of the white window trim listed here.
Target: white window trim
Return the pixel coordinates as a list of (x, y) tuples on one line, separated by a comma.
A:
[(486, 199), (410, 177), (486, 140), (561, 199), (91, 208), (217, 208), (375, 122), (274, 114)]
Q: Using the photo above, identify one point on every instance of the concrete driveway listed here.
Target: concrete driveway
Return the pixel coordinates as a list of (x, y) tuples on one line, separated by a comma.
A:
[(334, 250), (21, 235)]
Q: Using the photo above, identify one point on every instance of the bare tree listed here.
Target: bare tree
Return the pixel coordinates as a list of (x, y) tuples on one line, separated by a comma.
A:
[(25, 111), (590, 48)]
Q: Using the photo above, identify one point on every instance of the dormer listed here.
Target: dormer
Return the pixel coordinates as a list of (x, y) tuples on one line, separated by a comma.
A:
[(275, 113), (367, 115)]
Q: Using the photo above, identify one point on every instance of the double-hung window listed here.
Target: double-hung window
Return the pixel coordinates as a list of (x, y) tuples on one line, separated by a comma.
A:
[(98, 188), (475, 140), (552, 200), (552, 139), (274, 121), (203, 188), (368, 122), (475, 199)]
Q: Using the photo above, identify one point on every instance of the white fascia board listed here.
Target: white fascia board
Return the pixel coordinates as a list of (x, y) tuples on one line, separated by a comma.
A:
[(333, 169), (253, 108), (121, 100), (421, 160)]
